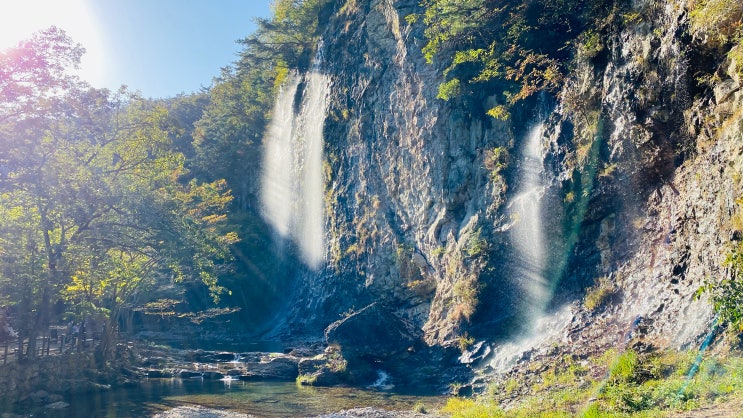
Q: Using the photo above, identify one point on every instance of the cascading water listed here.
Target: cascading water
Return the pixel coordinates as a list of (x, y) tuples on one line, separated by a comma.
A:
[(278, 188), (527, 231), (531, 256), (292, 193), (311, 214)]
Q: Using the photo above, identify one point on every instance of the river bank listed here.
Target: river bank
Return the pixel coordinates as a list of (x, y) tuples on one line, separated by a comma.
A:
[(58, 385)]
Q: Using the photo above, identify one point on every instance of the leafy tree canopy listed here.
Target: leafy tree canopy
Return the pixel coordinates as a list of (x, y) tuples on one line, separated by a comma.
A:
[(93, 206)]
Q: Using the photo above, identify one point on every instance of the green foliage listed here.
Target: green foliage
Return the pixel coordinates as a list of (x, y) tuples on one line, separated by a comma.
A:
[(420, 408), (499, 112), (476, 244), (716, 21), (447, 20), (736, 55), (468, 408), (464, 342), (33, 71), (502, 48), (95, 207), (306, 380), (466, 293), (449, 89), (727, 294), (624, 367), (288, 39), (598, 294), (412, 18), (569, 197), (591, 44), (496, 160), (642, 385)]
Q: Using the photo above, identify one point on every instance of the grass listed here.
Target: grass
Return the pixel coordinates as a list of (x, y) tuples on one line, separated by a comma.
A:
[(616, 384), (469, 408)]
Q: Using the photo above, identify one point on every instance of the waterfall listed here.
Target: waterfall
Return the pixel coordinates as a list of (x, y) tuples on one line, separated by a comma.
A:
[(292, 187), (527, 233), (278, 188), (311, 214)]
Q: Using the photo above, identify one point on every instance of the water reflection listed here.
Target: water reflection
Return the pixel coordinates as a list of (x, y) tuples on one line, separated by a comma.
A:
[(262, 399)]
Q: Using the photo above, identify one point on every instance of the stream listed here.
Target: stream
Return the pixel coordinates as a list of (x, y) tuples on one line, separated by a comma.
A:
[(261, 399)]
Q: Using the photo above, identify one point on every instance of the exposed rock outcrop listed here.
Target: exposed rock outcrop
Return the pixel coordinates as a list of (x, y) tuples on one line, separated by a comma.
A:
[(642, 167)]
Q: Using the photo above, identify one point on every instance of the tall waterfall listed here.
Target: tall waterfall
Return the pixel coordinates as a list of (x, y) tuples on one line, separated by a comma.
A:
[(527, 233), (530, 258), (292, 186)]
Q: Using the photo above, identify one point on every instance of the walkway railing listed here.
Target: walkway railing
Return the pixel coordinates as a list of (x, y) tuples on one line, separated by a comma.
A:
[(54, 343)]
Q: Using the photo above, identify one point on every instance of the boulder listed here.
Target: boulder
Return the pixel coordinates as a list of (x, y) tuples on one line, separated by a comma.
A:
[(57, 405), (476, 353), (190, 374), (309, 366), (372, 333), (223, 357), (274, 368)]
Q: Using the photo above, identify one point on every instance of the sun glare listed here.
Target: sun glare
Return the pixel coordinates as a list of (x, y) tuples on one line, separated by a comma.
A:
[(21, 18)]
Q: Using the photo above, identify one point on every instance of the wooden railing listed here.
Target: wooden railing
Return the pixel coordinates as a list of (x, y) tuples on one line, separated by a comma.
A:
[(53, 343)]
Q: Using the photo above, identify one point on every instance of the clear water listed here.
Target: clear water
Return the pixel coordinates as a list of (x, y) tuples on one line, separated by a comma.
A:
[(261, 399)]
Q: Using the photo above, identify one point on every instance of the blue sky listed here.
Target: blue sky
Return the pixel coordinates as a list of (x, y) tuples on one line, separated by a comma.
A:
[(159, 47), (165, 47)]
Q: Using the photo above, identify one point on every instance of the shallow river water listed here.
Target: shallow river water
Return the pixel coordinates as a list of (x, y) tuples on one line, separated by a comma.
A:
[(261, 399)]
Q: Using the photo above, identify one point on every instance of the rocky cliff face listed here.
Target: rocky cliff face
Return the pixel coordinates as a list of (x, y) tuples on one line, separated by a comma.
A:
[(406, 186), (641, 169)]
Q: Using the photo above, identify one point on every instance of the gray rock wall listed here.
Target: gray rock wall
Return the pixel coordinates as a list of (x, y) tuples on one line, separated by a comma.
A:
[(54, 375), (643, 167), (406, 186)]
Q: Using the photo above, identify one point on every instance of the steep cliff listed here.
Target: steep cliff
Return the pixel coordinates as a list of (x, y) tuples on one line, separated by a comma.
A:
[(597, 211)]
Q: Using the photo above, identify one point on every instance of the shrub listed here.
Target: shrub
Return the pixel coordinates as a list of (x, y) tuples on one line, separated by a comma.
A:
[(439, 251), (716, 21), (420, 408), (306, 379), (465, 342), (496, 159), (499, 112), (624, 367), (591, 44), (449, 89), (736, 57), (476, 244), (467, 294), (599, 294)]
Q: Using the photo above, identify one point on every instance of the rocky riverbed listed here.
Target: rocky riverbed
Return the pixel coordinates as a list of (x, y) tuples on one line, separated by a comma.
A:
[(200, 412)]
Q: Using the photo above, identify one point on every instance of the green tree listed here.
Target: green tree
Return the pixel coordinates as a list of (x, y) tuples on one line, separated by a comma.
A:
[(92, 200), (288, 39), (509, 49)]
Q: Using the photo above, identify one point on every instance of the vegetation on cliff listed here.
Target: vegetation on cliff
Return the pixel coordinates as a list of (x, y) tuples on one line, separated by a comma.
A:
[(509, 49)]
